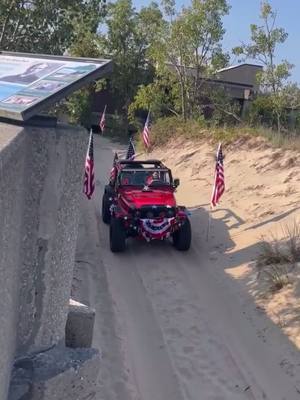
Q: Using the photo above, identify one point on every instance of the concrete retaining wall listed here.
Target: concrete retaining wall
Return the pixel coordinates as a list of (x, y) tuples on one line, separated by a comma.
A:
[(12, 161), (40, 184)]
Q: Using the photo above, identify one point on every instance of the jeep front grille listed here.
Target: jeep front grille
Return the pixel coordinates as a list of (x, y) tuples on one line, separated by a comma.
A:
[(151, 212)]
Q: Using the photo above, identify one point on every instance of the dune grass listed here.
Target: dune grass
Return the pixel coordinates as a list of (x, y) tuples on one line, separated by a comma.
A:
[(279, 257), (166, 129)]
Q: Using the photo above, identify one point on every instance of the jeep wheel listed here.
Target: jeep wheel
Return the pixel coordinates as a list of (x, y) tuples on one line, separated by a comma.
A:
[(183, 237), (117, 235), (105, 209)]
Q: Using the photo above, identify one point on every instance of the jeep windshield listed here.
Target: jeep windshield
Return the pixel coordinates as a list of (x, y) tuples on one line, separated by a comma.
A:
[(144, 177)]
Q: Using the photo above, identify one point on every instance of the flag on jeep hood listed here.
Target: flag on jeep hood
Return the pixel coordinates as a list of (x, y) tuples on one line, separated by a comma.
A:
[(89, 184), (219, 183), (130, 151)]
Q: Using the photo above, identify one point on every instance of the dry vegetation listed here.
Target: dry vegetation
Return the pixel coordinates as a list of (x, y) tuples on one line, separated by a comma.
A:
[(166, 129), (279, 258)]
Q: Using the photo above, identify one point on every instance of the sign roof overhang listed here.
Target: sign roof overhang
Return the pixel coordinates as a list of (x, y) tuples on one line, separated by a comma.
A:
[(31, 83)]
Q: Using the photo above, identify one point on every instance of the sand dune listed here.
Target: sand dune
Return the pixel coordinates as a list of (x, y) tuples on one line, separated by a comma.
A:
[(262, 192), (196, 326)]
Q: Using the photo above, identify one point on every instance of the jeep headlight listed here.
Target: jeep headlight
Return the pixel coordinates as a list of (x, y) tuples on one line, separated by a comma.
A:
[(170, 213)]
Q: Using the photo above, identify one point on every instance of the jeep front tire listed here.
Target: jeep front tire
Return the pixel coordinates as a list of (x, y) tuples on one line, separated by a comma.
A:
[(117, 235), (183, 236), (106, 208)]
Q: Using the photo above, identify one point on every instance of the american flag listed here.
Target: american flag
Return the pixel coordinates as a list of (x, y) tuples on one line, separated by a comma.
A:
[(219, 183), (113, 171), (130, 151), (146, 132), (102, 121), (89, 184)]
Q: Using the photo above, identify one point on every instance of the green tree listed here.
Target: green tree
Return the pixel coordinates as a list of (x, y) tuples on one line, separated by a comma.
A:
[(276, 110), (161, 97), (126, 41), (40, 26), (264, 42), (284, 103), (190, 46), (78, 105), (169, 8)]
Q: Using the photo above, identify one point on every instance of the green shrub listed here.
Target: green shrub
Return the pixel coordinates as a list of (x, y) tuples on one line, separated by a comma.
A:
[(165, 129)]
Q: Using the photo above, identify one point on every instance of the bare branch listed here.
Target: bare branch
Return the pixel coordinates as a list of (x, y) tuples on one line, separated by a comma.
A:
[(227, 112)]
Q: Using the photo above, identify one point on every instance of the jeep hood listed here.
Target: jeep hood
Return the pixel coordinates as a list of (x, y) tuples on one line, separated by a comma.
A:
[(138, 198)]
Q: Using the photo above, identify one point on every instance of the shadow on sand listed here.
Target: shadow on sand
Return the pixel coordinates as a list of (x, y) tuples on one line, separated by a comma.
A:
[(222, 256)]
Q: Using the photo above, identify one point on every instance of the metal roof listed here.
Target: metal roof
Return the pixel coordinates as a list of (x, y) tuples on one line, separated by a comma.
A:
[(239, 66)]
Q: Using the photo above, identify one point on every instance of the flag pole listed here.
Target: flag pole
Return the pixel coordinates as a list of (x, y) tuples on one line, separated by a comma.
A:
[(88, 184), (89, 143), (149, 110), (146, 133), (219, 185), (211, 202), (208, 224)]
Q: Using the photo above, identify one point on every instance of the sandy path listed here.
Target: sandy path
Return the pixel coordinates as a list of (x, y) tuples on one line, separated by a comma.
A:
[(168, 324)]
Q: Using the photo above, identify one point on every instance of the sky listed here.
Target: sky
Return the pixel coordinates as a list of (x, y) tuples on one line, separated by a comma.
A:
[(245, 12)]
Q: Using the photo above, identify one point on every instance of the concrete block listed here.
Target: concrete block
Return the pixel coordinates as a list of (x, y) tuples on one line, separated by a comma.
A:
[(57, 374), (80, 325)]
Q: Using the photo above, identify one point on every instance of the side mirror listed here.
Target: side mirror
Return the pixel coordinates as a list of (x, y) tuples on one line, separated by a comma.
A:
[(176, 182)]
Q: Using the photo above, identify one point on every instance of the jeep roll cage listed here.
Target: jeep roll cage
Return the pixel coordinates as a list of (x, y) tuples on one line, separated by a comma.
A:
[(138, 165), (156, 163)]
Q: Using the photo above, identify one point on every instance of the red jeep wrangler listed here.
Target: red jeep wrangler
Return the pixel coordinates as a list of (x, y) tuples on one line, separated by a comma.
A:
[(139, 201)]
